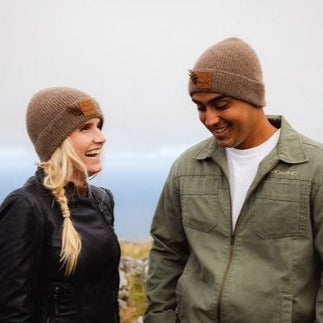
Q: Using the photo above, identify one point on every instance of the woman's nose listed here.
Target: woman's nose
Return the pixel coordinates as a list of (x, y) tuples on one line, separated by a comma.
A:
[(99, 137)]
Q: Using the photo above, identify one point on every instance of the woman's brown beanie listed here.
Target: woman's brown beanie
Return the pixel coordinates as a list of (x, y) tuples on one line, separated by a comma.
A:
[(54, 113), (230, 67)]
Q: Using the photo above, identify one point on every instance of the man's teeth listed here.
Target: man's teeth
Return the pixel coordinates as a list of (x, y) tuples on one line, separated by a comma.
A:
[(222, 129)]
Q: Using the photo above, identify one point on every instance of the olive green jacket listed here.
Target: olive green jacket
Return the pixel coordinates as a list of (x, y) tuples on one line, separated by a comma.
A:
[(269, 268)]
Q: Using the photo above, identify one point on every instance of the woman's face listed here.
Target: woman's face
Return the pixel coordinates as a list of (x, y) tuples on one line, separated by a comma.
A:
[(87, 141)]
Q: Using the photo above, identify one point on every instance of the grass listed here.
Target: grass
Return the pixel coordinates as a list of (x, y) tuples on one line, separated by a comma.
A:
[(137, 302), (135, 250)]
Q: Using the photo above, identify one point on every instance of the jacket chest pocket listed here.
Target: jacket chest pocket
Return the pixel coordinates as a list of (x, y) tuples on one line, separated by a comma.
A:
[(199, 201), (281, 209)]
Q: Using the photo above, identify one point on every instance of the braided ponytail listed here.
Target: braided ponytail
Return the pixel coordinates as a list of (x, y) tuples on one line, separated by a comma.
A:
[(59, 170)]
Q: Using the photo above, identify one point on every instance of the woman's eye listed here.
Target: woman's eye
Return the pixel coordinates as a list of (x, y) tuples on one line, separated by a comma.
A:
[(84, 128)]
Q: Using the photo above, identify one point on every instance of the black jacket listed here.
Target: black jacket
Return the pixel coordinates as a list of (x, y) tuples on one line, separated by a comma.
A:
[(33, 287)]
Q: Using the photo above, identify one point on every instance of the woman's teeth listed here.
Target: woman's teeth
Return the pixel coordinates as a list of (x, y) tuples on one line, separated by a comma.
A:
[(92, 153)]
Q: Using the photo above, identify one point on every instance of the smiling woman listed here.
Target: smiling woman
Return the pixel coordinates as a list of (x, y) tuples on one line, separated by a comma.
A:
[(87, 140), (59, 254)]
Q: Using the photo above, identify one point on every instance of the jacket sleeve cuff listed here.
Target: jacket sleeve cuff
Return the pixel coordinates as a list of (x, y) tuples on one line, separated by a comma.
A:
[(163, 317)]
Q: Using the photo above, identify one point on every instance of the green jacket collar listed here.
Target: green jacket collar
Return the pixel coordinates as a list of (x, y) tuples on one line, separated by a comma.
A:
[(289, 148)]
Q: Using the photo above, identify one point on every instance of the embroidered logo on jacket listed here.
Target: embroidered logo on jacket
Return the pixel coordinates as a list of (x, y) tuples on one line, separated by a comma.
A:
[(284, 173)]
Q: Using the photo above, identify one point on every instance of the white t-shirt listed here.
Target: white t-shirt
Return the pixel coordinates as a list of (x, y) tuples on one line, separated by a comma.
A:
[(243, 165)]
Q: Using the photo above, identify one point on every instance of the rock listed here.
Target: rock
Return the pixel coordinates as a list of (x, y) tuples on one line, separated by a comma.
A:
[(122, 303), (139, 320), (123, 286), (130, 267), (133, 272), (128, 264)]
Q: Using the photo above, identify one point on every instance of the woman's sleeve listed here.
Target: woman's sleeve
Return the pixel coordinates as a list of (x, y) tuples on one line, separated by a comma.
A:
[(20, 249), (110, 205)]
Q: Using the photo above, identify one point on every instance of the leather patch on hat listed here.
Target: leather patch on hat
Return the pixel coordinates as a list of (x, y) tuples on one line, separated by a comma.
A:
[(87, 107), (202, 80), (75, 110)]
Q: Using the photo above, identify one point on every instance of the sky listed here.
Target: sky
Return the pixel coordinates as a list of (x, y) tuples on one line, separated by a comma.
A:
[(133, 57)]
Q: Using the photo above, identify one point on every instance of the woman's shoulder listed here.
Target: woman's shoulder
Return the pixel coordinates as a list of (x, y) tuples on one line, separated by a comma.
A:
[(22, 205), (101, 194), (30, 194), (104, 199)]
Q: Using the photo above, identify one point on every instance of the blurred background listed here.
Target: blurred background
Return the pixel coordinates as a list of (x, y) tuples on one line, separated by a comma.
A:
[(133, 56)]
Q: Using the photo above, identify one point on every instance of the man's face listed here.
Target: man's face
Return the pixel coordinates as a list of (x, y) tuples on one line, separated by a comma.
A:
[(233, 123)]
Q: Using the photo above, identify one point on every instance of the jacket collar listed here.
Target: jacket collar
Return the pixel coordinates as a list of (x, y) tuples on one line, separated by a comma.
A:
[(70, 188), (289, 147)]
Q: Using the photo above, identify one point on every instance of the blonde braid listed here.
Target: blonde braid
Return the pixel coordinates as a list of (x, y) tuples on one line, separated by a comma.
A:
[(71, 241), (58, 171)]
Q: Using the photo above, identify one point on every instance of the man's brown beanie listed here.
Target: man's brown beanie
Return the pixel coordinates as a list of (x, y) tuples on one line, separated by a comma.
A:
[(54, 113), (230, 67)]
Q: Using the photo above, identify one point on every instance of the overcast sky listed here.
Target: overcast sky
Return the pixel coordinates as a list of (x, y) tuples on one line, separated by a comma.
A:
[(133, 56)]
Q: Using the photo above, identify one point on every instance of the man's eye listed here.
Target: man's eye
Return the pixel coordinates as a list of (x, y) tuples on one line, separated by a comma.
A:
[(223, 104), (200, 107)]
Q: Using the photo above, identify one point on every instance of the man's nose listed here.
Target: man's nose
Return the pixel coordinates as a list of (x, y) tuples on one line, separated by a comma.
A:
[(211, 117)]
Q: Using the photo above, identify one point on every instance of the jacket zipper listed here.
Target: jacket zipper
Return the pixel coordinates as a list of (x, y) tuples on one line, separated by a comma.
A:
[(232, 241), (227, 268), (53, 306), (225, 277), (99, 208)]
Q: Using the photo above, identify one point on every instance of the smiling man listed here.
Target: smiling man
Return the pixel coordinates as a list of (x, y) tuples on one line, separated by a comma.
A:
[(238, 230)]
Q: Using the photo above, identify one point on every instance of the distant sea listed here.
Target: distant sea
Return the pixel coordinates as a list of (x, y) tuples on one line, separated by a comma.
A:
[(135, 181)]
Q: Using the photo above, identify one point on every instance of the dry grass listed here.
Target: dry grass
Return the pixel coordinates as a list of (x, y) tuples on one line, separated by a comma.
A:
[(135, 250)]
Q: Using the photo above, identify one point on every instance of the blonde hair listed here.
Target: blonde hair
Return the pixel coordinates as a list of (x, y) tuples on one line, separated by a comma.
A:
[(59, 170)]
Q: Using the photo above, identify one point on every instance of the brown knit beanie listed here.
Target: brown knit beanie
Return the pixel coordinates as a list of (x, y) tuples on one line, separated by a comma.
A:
[(230, 67), (54, 113)]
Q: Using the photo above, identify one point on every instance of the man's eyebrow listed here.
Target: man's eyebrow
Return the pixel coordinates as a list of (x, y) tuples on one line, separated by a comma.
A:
[(218, 98), (214, 100), (195, 101)]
